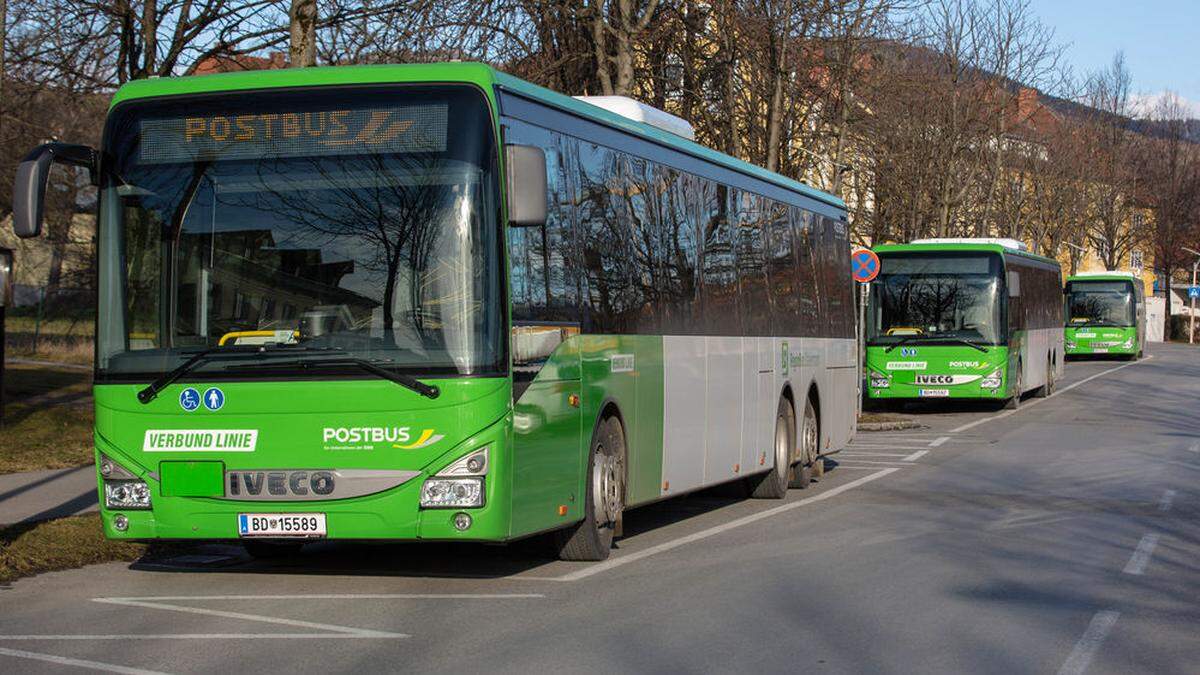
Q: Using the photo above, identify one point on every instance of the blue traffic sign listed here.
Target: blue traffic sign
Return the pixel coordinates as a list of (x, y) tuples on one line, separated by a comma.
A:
[(1194, 291), (214, 398), (864, 265)]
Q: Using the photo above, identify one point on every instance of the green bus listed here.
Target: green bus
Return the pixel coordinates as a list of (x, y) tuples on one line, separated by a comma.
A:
[(963, 318), (1106, 314), (437, 302)]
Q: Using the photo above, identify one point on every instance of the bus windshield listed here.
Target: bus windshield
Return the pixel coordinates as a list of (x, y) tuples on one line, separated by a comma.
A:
[(361, 222), (1100, 303), (930, 297)]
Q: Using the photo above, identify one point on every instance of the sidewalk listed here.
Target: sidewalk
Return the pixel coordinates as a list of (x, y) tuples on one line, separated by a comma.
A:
[(42, 495)]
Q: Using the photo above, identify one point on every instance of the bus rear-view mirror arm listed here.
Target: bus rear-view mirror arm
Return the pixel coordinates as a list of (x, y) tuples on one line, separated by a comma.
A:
[(525, 169), (29, 188)]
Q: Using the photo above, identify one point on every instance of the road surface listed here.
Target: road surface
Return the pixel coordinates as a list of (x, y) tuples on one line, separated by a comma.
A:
[(1061, 538)]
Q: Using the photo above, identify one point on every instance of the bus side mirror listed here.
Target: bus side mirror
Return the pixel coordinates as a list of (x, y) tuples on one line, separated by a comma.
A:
[(29, 188), (525, 168)]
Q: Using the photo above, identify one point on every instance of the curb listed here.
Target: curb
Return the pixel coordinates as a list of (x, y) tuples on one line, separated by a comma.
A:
[(889, 426)]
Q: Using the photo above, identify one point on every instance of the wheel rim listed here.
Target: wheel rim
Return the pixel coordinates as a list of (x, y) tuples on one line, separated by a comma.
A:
[(783, 451), (607, 473), (809, 435)]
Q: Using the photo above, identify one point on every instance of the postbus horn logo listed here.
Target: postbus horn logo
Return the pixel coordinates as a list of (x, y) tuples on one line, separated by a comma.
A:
[(426, 439)]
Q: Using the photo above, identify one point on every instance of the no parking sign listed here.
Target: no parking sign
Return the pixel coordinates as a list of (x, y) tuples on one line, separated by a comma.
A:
[(864, 265)]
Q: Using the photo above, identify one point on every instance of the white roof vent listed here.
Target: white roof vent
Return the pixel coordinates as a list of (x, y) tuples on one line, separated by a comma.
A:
[(640, 112), (999, 241)]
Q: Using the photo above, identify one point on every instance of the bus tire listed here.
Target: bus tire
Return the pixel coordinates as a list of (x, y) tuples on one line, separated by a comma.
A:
[(774, 483), (272, 550), (1046, 390), (1015, 402), (591, 539), (808, 436)]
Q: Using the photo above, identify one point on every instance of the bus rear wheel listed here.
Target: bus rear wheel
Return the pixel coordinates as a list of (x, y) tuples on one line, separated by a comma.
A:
[(774, 483), (810, 466), (591, 539), (1046, 390)]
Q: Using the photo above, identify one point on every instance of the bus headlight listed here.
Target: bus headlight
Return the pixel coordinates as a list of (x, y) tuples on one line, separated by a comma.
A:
[(992, 381), (126, 494), (1128, 344), (1070, 345), (452, 493), (879, 381)]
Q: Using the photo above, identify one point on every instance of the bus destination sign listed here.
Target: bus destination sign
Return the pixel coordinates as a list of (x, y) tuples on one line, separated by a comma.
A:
[(397, 129)]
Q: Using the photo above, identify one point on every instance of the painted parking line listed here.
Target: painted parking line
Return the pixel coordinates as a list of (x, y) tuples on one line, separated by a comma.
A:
[(1141, 556), (613, 563), (1029, 404), (1085, 650), (325, 631), (916, 455), (1195, 447), (855, 453), (78, 663), (938, 442)]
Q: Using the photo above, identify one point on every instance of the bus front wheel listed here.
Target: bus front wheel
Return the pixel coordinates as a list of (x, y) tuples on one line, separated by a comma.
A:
[(1015, 402), (591, 539)]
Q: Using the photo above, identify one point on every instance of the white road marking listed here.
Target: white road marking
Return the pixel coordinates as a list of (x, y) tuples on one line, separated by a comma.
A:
[(78, 663), (613, 563), (336, 596), (885, 462), (1141, 556), (345, 630), (885, 447), (1195, 447), (1164, 504), (937, 442), (847, 453), (1029, 404), (843, 465), (915, 456), (334, 631), (1081, 656)]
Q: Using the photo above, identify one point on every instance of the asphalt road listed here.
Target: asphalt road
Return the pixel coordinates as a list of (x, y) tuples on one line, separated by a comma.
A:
[(1062, 538)]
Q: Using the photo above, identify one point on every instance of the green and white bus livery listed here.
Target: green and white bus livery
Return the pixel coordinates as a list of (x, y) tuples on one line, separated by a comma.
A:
[(963, 318), (436, 302), (1106, 314)]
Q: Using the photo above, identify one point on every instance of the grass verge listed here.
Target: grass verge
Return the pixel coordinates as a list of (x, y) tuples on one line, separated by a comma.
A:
[(27, 549), (47, 421)]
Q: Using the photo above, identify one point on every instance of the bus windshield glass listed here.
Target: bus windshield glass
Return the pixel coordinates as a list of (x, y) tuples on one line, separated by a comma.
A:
[(1100, 303), (932, 297), (355, 222)]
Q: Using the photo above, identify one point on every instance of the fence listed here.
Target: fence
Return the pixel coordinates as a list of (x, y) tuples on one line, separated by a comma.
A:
[(51, 325)]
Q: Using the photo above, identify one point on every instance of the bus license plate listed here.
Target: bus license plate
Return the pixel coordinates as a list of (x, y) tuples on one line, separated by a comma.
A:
[(1100, 350), (933, 393), (281, 524)]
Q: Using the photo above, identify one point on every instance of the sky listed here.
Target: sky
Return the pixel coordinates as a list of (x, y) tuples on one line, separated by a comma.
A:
[(1160, 39)]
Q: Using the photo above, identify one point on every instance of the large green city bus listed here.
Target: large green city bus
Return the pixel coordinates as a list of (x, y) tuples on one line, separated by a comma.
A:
[(436, 302), (963, 318), (1106, 314)]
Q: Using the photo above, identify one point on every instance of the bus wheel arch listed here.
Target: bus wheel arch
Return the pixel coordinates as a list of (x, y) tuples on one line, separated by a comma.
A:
[(605, 483)]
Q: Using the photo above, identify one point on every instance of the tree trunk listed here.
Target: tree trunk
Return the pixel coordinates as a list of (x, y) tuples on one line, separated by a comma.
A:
[(149, 37), (302, 20)]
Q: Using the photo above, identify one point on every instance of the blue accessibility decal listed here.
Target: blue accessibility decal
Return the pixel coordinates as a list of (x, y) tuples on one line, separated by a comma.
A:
[(214, 398), (189, 399)]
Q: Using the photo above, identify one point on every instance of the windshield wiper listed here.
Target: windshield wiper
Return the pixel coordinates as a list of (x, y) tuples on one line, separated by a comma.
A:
[(217, 354), (917, 338), (407, 381)]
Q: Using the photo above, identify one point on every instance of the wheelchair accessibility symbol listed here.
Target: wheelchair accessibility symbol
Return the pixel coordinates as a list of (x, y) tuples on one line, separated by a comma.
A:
[(189, 399)]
